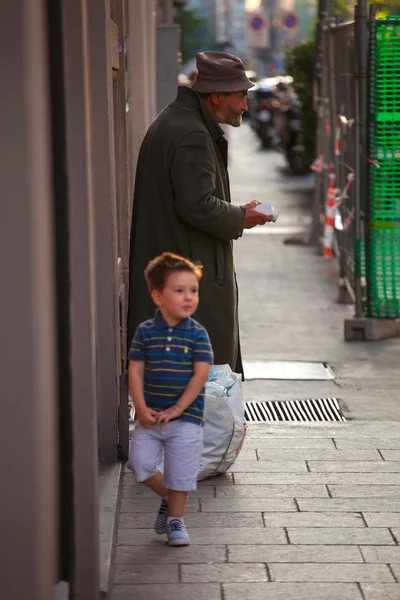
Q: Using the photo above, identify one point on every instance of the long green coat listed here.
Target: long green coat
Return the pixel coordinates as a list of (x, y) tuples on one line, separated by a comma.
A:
[(182, 204)]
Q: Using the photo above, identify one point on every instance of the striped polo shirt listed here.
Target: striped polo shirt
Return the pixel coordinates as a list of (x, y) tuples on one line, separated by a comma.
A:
[(169, 354)]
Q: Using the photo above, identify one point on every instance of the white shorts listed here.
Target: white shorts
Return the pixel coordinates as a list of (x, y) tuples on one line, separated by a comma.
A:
[(179, 442)]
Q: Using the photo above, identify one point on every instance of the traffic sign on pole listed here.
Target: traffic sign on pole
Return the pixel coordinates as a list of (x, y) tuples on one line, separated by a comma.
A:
[(290, 21), (257, 30)]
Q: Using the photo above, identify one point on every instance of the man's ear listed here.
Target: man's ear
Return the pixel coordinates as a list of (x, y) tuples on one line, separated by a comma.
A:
[(156, 296), (214, 96)]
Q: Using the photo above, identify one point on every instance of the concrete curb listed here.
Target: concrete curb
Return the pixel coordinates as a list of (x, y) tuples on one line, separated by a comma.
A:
[(110, 480), (371, 329)]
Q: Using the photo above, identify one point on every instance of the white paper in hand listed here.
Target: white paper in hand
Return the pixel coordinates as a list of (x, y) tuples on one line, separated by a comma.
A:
[(267, 209)]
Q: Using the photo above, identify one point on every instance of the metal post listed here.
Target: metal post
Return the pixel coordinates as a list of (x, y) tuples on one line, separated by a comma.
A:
[(365, 143), (357, 215), (361, 45), (314, 232)]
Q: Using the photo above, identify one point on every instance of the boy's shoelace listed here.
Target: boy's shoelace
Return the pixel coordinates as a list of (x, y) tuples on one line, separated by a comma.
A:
[(176, 525)]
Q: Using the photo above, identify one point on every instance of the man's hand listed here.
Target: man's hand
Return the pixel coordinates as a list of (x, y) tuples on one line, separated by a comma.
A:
[(147, 417), (253, 217), (170, 413)]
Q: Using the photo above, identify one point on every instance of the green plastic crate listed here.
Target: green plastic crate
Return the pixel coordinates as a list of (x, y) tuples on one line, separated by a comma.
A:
[(383, 236)]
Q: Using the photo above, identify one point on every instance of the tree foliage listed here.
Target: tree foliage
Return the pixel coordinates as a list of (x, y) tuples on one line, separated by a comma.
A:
[(194, 33), (344, 9), (299, 61)]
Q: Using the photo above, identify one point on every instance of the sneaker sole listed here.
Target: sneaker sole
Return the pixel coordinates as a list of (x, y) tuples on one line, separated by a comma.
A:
[(178, 542)]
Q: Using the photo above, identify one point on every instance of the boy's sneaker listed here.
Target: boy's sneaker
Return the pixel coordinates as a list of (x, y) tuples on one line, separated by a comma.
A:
[(177, 534), (161, 520)]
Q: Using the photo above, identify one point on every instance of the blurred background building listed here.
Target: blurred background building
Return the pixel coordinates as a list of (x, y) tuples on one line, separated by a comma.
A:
[(259, 31)]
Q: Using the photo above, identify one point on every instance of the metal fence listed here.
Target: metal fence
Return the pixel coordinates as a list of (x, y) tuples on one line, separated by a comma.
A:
[(337, 142), (358, 162), (341, 147)]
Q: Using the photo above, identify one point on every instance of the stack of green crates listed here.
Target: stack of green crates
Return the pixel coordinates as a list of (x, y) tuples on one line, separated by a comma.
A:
[(383, 236)]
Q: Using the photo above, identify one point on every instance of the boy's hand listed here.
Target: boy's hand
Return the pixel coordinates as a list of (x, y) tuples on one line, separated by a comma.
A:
[(170, 413), (147, 417)]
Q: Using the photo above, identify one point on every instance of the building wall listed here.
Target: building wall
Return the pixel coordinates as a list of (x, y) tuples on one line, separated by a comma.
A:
[(71, 151)]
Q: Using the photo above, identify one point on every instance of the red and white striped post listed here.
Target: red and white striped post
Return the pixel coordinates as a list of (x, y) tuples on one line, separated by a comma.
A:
[(329, 219), (338, 137)]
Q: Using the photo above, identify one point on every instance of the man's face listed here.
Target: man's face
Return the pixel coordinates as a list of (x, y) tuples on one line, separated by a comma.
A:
[(230, 108)]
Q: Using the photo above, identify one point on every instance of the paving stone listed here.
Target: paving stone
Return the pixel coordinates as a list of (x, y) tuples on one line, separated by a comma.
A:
[(396, 532), (180, 591), (350, 429), (248, 505), (295, 554), (252, 466), (133, 574), (383, 519), (137, 491), (368, 442), (340, 535), (367, 491), (291, 591), (317, 478), (220, 519), (203, 536), (335, 572), (145, 505), (273, 491), (391, 454), (161, 554), (322, 454), (247, 454), (395, 566), (225, 479), (222, 573), (383, 554), (347, 504), (288, 442), (381, 591), (316, 519), (369, 466)]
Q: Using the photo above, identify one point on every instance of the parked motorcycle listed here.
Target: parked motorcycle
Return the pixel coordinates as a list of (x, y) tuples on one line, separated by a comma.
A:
[(286, 122), (260, 111)]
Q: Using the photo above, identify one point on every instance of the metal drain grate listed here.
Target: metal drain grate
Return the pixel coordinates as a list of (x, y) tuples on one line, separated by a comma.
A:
[(312, 409)]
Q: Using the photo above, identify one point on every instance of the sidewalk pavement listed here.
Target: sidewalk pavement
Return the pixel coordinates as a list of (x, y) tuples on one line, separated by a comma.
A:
[(308, 511)]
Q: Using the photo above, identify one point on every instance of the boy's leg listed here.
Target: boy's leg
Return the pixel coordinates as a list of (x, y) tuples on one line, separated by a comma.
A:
[(155, 483), (145, 455), (183, 448), (177, 503)]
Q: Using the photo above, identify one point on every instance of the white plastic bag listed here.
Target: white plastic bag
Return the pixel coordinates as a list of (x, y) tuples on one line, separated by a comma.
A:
[(224, 422)]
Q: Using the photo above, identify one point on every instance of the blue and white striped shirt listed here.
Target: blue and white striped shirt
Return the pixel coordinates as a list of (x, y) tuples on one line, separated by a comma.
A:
[(169, 354)]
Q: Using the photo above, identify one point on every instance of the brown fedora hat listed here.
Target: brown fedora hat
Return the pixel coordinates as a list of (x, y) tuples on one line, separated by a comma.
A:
[(220, 72)]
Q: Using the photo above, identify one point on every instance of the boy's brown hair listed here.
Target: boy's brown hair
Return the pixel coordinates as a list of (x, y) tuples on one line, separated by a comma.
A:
[(162, 266)]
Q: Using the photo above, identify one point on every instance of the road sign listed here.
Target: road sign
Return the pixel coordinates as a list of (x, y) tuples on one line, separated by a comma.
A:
[(290, 20), (257, 30), (257, 22)]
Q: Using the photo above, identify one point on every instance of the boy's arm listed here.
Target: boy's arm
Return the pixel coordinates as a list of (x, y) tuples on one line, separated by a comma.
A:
[(145, 415), (197, 382)]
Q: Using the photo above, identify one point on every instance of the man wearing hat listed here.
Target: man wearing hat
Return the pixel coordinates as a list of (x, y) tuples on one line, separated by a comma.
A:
[(182, 201)]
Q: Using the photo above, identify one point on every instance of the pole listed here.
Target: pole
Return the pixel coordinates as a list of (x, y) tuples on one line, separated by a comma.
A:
[(357, 215), (361, 208)]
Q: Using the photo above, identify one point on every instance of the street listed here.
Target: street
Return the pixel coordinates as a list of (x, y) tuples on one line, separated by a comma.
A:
[(309, 511)]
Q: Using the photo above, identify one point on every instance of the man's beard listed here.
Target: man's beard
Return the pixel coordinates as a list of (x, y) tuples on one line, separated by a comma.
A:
[(237, 119)]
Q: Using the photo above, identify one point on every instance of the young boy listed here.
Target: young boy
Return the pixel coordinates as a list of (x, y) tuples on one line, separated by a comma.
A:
[(170, 358)]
